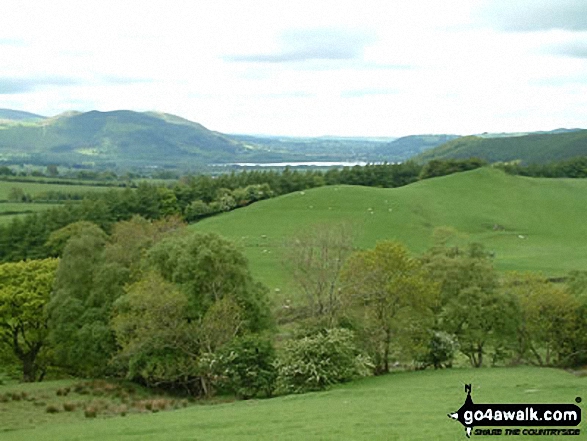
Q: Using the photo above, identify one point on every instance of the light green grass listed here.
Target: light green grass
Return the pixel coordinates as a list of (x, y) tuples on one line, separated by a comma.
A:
[(550, 214), (404, 406), (17, 207), (11, 210), (35, 188)]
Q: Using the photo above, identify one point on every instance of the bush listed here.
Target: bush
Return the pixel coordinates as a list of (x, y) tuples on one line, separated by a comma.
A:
[(91, 412), (315, 362), (246, 366), (69, 407), (52, 409), (440, 352)]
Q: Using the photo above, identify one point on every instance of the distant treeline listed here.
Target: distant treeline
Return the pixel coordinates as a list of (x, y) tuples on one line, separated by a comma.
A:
[(571, 168), (195, 197)]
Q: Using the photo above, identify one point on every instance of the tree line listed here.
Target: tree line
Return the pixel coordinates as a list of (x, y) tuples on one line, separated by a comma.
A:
[(571, 168), (195, 197)]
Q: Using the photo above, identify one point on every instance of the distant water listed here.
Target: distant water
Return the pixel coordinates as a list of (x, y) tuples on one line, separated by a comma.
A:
[(295, 164)]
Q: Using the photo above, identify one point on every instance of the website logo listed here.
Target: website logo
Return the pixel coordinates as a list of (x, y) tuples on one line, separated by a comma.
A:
[(471, 415)]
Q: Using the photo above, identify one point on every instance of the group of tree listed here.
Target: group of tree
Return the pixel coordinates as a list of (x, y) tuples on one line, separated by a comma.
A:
[(424, 310), (150, 302)]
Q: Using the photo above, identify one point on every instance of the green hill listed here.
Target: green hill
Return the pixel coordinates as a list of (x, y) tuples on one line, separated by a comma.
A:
[(407, 146), (533, 148), (116, 137), (529, 223), (19, 115)]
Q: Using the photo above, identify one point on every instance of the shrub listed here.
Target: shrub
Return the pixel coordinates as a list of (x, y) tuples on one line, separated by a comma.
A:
[(317, 361), (90, 412), (246, 366), (440, 352), (69, 407), (51, 408)]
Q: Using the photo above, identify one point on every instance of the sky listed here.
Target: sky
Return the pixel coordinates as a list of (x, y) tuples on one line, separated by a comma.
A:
[(305, 67)]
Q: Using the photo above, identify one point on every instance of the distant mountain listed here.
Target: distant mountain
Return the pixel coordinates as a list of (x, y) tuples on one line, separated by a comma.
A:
[(125, 139), (18, 115), (119, 137), (539, 148), (403, 148)]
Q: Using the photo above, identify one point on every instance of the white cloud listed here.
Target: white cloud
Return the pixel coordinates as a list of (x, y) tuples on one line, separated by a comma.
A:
[(382, 68)]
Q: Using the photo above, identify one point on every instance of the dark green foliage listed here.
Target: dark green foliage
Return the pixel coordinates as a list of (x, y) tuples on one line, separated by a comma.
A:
[(440, 352), (470, 305), (437, 167), (246, 366), (209, 268), (79, 318), (317, 361), (571, 168), (532, 148)]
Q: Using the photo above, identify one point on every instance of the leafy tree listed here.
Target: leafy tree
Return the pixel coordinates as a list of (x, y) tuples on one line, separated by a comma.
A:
[(158, 344), (78, 318), (209, 268), (469, 304), (17, 194), (481, 320), (390, 290), (547, 321), (24, 292), (317, 361)]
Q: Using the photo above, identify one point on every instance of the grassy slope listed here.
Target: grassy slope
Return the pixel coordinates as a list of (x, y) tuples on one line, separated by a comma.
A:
[(538, 148), (549, 213), (404, 406)]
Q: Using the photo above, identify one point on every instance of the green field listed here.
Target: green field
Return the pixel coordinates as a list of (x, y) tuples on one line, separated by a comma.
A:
[(402, 406), (35, 188), (10, 210), (531, 224)]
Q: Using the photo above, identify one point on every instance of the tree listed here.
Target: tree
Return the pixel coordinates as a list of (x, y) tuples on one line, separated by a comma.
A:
[(316, 258), (78, 317), (481, 319), (208, 268), (24, 292), (17, 194), (391, 291), (158, 345), (469, 304), (547, 319)]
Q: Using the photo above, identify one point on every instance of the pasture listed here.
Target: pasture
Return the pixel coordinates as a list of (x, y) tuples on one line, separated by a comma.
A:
[(402, 406), (530, 224), (36, 188)]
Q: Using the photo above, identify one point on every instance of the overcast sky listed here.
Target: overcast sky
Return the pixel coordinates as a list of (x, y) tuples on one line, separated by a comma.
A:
[(306, 68)]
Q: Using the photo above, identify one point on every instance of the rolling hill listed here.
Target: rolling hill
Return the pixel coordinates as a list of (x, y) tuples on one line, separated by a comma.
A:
[(537, 148), (116, 137), (530, 224), (18, 115), (408, 146)]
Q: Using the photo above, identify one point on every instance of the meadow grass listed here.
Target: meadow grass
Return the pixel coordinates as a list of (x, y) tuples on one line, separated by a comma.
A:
[(400, 406), (35, 188), (530, 224)]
